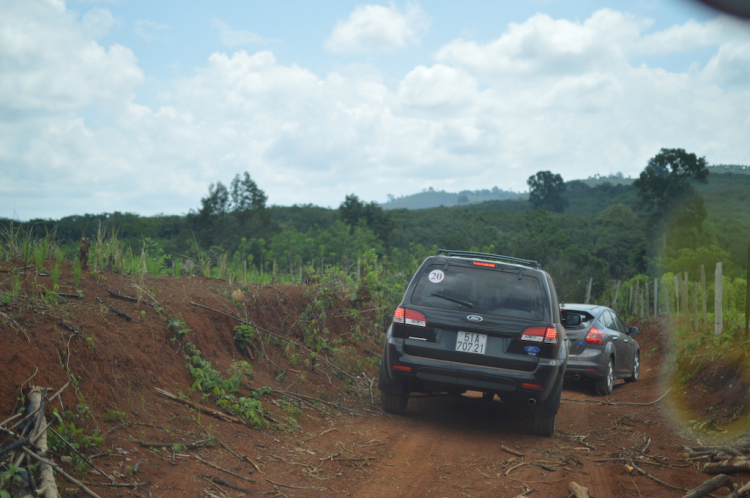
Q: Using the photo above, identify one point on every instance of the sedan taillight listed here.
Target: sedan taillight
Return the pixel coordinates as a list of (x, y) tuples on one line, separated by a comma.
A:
[(595, 336)]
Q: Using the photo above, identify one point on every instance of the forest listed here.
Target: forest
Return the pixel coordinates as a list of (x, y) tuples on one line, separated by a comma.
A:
[(680, 214)]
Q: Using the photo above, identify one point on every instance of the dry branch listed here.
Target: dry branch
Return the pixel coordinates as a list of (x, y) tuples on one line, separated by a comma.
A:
[(47, 488), (512, 452), (204, 409), (120, 313), (80, 454), (743, 492), (730, 465), (228, 484), (314, 488), (620, 403), (710, 486), (61, 472), (223, 470), (124, 298), (656, 479)]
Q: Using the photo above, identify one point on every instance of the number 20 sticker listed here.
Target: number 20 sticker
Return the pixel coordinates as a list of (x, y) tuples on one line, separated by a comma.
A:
[(436, 276)]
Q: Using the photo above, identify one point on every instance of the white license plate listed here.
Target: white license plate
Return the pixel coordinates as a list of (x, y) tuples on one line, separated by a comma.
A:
[(469, 342)]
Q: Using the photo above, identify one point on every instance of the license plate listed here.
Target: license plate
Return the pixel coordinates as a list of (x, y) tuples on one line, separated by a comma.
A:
[(469, 342)]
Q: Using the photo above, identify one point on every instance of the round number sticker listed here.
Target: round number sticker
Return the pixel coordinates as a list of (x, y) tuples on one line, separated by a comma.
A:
[(436, 276)]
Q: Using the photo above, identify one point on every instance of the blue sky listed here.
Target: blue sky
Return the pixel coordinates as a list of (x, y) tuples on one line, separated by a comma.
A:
[(138, 106)]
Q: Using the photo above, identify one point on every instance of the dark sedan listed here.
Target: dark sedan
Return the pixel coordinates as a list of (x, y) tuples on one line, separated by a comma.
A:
[(601, 347)]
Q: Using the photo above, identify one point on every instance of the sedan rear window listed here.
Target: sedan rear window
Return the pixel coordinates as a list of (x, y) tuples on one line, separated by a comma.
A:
[(480, 290)]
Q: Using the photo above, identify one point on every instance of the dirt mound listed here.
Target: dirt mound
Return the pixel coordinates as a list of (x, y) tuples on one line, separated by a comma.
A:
[(718, 391), (118, 341)]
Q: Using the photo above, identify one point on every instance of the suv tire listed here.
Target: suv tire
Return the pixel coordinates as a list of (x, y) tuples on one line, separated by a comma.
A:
[(394, 403), (604, 386), (543, 424)]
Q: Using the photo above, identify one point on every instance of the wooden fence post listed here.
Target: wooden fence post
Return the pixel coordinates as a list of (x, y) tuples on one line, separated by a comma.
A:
[(703, 293), (685, 288), (656, 297), (747, 296), (617, 293), (635, 297), (696, 314), (719, 285), (588, 290), (640, 301), (667, 301), (645, 287), (630, 302), (676, 295)]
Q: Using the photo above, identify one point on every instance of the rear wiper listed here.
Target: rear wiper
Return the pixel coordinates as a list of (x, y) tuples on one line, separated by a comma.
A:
[(463, 303)]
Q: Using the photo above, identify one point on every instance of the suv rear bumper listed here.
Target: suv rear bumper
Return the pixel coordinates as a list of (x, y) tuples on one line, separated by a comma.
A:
[(430, 375)]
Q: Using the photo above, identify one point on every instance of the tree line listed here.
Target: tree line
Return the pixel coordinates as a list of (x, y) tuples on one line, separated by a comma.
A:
[(659, 226)]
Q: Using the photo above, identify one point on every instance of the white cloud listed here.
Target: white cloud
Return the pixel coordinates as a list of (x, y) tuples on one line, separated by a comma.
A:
[(554, 47), (97, 22), (730, 66), (693, 34), (545, 95), (148, 30), (236, 37), (50, 63), (375, 28)]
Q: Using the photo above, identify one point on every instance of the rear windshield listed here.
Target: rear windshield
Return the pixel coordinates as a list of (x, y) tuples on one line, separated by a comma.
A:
[(480, 290), (586, 319)]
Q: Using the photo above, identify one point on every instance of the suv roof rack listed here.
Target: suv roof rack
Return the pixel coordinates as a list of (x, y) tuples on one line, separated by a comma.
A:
[(472, 254)]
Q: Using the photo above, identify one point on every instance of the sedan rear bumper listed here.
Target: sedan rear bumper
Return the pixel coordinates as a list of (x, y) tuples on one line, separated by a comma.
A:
[(590, 364)]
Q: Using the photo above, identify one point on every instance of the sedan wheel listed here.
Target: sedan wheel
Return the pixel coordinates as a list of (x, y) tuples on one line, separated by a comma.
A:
[(636, 372), (604, 386)]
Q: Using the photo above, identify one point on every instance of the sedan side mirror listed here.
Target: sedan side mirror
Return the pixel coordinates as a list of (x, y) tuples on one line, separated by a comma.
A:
[(632, 331)]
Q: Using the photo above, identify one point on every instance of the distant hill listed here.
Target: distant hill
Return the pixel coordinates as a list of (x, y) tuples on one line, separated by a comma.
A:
[(431, 198), (580, 200), (613, 179), (730, 168)]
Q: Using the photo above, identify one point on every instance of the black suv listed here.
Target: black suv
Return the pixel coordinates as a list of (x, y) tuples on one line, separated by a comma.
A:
[(472, 321)]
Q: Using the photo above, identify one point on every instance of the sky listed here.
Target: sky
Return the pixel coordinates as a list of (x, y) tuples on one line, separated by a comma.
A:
[(138, 106)]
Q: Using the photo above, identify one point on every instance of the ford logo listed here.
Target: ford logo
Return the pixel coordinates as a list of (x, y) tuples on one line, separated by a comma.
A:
[(532, 349), (474, 318)]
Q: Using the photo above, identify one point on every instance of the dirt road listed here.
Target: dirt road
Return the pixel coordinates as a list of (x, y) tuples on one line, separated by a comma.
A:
[(447, 447), (335, 442)]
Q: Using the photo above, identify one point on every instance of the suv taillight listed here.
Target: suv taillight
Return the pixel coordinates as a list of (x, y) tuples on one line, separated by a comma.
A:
[(409, 317), (595, 336), (540, 334)]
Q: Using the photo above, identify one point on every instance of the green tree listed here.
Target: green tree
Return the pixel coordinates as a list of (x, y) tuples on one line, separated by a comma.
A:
[(546, 191), (664, 185), (354, 212), (227, 215), (216, 202), (246, 196)]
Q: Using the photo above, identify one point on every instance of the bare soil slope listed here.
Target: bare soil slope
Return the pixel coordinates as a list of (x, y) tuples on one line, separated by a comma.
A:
[(344, 445)]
